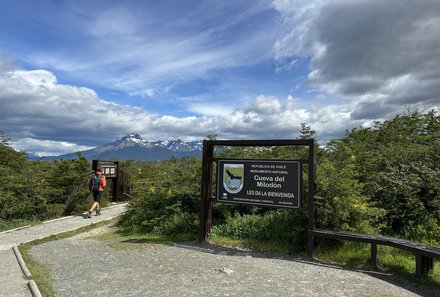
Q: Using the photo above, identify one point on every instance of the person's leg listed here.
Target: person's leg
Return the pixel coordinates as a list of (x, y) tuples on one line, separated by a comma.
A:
[(94, 206), (98, 200), (98, 210)]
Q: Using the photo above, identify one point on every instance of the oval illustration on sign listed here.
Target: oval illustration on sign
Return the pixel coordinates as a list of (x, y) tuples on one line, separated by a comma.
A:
[(233, 177)]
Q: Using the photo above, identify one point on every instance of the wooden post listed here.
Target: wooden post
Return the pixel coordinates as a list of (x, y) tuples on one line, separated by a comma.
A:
[(206, 191), (423, 265), (114, 189), (373, 255), (311, 198)]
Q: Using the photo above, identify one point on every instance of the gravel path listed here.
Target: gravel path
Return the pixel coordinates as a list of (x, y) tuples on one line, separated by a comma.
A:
[(11, 238), (12, 280), (85, 266)]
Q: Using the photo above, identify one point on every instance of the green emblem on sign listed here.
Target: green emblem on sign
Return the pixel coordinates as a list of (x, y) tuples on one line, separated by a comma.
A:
[(233, 177)]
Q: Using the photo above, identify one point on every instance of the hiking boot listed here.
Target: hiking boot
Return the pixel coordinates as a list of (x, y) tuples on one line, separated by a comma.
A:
[(89, 215), (98, 212)]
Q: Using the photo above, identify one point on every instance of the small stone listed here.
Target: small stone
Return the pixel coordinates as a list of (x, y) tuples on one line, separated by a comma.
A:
[(226, 270)]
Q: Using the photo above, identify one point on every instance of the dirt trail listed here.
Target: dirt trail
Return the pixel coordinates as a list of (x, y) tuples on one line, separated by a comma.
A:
[(87, 266)]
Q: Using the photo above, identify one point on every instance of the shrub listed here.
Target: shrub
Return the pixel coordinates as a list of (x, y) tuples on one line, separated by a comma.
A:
[(283, 226), (161, 212), (167, 197)]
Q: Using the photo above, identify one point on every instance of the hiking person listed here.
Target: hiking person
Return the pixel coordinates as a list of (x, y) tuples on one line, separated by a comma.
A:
[(97, 183)]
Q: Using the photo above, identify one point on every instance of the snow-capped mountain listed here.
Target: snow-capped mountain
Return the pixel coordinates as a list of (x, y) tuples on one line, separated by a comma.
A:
[(130, 140), (133, 147), (179, 145)]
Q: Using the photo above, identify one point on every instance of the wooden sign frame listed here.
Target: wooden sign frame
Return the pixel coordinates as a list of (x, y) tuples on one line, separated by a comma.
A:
[(207, 177)]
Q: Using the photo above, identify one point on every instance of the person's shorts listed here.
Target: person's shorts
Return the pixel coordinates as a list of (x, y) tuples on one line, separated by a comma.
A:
[(97, 196)]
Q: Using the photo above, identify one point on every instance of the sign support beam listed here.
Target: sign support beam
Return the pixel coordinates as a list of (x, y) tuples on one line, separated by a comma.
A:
[(311, 198), (206, 201)]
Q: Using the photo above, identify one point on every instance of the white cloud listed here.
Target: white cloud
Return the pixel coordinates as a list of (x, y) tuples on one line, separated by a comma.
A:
[(210, 109), (113, 21), (133, 50), (35, 105), (372, 53), (46, 117), (47, 147), (378, 56), (264, 105), (146, 93)]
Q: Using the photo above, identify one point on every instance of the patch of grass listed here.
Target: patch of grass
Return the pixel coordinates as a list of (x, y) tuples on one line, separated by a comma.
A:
[(41, 271), (389, 259), (350, 255), (252, 244), (17, 223), (125, 239), (403, 263)]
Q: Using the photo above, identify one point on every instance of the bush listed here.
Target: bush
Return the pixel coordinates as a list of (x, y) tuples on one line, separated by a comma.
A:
[(284, 226), (12, 224), (166, 198), (340, 203), (159, 211), (54, 210), (79, 202), (178, 223)]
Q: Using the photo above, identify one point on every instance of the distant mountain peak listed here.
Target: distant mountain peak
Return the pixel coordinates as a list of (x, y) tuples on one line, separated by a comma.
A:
[(133, 147), (133, 136), (178, 145), (132, 139)]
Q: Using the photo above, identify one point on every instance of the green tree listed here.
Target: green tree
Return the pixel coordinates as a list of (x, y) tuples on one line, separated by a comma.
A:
[(306, 132), (20, 196), (67, 176), (38, 190), (398, 162), (341, 203), (10, 158), (166, 197)]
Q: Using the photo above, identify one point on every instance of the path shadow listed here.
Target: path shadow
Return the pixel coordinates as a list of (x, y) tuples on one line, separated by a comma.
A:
[(414, 286)]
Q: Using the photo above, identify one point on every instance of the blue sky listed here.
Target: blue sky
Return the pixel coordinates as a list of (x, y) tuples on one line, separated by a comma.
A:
[(77, 74)]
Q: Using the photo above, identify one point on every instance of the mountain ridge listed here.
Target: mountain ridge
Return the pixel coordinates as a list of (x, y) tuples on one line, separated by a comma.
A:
[(134, 147)]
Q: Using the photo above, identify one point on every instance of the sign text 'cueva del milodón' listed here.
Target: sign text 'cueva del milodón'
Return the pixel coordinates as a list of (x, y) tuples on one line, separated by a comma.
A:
[(267, 183)]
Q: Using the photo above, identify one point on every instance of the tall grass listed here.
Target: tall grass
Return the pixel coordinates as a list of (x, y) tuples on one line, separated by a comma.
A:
[(389, 259), (17, 223)]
